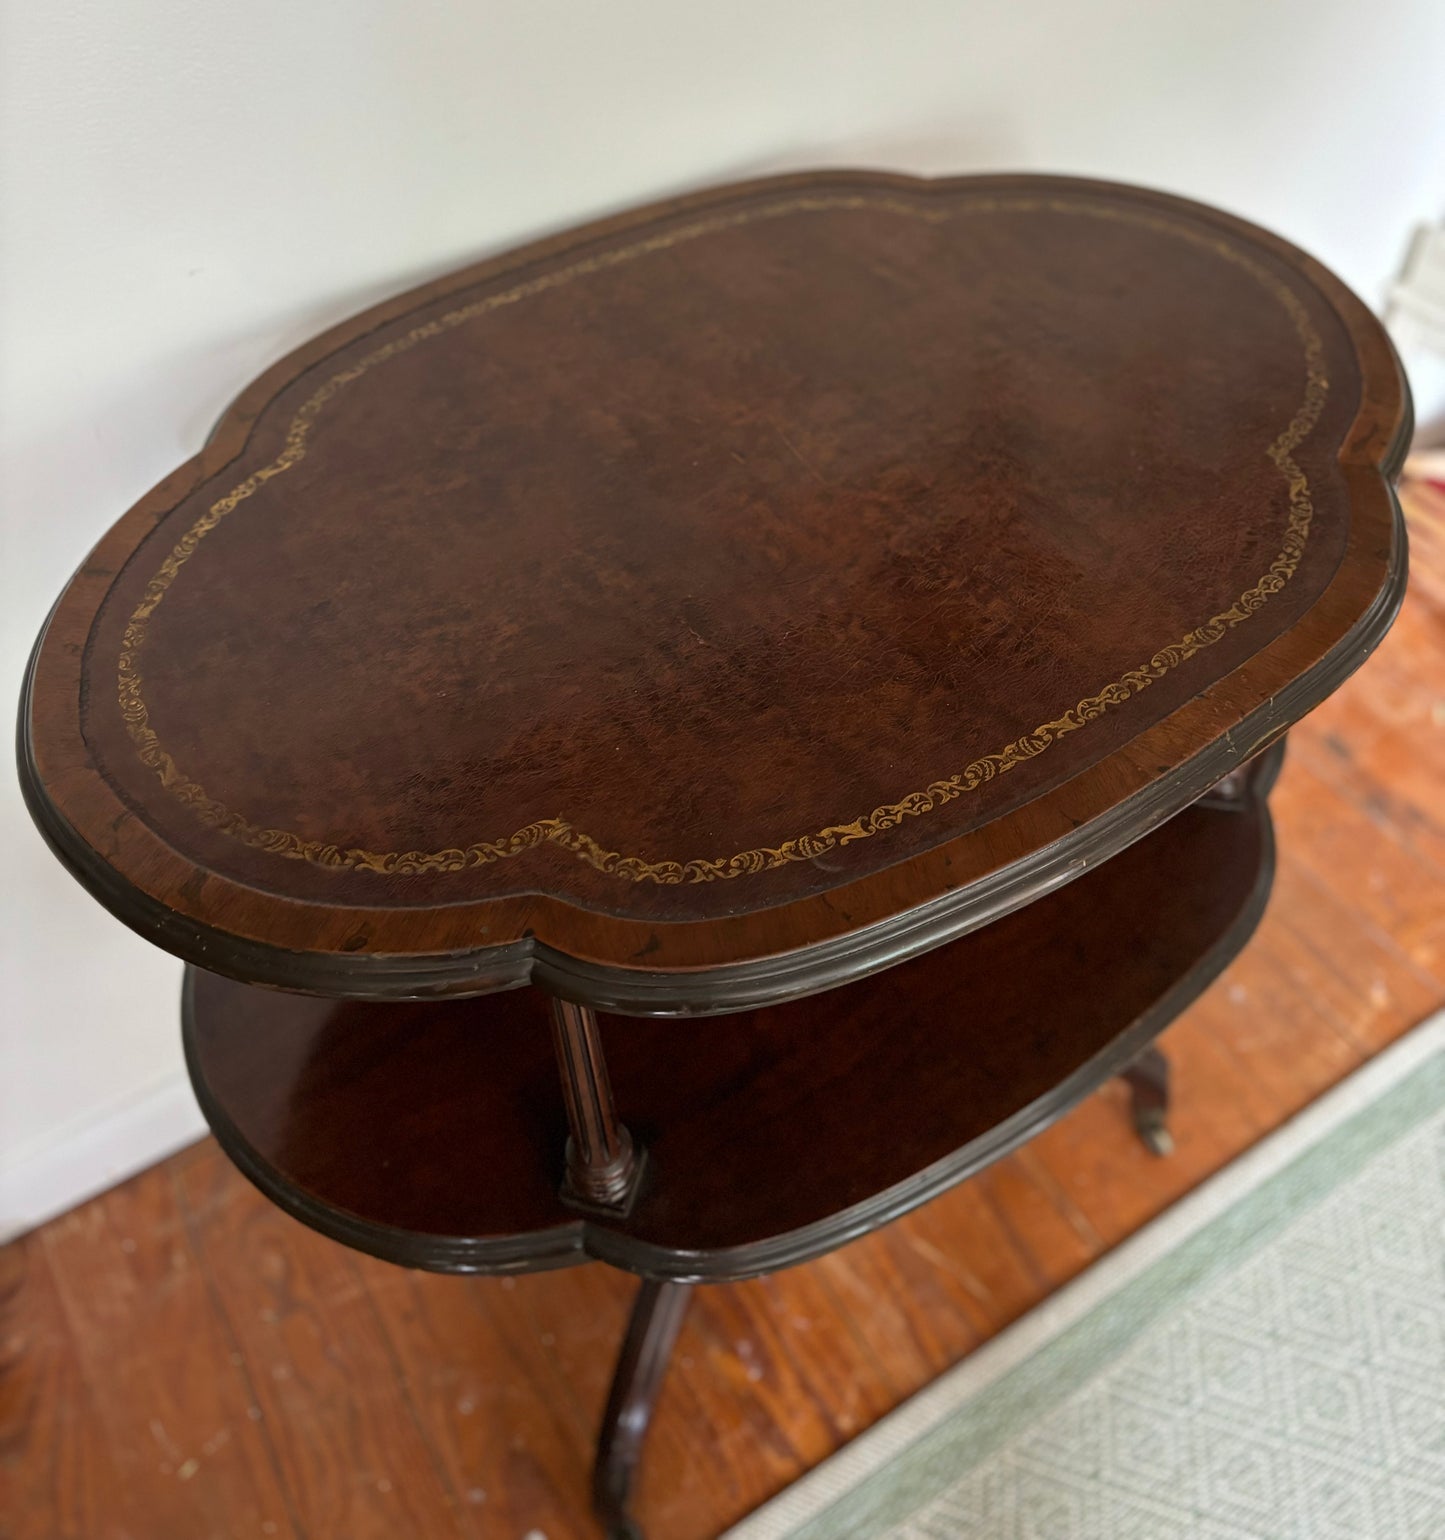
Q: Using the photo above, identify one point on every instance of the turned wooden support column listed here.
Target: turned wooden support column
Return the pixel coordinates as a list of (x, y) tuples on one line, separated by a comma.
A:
[(602, 1166)]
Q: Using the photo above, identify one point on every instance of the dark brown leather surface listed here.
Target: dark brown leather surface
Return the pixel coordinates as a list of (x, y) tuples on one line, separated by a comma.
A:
[(727, 540)]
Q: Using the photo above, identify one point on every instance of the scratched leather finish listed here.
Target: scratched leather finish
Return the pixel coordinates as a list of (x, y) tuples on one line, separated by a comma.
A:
[(727, 542)]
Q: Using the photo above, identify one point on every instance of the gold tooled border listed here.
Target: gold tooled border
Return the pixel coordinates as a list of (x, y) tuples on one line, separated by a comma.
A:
[(803, 847)]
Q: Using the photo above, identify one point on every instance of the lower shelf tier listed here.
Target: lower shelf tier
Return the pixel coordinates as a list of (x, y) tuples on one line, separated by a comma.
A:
[(434, 1134)]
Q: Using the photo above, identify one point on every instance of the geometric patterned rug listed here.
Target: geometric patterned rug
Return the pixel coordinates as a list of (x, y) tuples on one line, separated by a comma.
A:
[(1264, 1362)]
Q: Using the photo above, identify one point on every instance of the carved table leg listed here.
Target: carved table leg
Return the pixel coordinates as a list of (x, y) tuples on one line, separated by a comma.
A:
[(651, 1332), (1148, 1081)]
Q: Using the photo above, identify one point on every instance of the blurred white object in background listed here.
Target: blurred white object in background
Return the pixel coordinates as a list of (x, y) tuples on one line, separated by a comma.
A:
[(1415, 314)]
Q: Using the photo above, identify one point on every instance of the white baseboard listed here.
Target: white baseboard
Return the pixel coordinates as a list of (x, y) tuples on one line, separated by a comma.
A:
[(80, 1162)]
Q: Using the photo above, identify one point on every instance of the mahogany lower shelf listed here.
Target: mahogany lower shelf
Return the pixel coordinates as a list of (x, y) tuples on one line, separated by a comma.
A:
[(433, 1134)]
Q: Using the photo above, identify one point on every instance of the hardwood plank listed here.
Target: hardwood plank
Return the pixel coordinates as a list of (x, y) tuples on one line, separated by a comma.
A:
[(913, 1337), (488, 1397), (1383, 881), (59, 1479), (171, 1400), (1287, 1046), (1393, 786), (775, 1398), (1096, 1158), (1388, 718), (766, 1379), (350, 1452), (1399, 688), (1367, 984), (1051, 1231), (938, 1282), (1381, 738)]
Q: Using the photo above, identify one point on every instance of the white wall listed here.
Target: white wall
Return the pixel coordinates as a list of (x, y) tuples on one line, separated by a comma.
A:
[(191, 189)]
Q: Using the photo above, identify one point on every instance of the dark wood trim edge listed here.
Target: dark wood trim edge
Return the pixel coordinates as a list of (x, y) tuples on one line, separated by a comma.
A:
[(736, 1264), (532, 1252), (1374, 452), (586, 1238), (737, 986)]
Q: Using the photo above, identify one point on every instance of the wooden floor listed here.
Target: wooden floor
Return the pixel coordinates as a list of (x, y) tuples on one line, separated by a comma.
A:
[(182, 1361)]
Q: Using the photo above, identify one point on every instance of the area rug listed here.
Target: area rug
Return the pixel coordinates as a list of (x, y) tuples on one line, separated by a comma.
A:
[(1264, 1362)]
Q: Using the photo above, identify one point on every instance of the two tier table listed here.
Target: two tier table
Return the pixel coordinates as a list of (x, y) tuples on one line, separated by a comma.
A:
[(859, 611)]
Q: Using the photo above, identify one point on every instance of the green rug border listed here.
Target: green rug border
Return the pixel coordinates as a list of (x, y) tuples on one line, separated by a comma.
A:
[(1059, 1366)]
